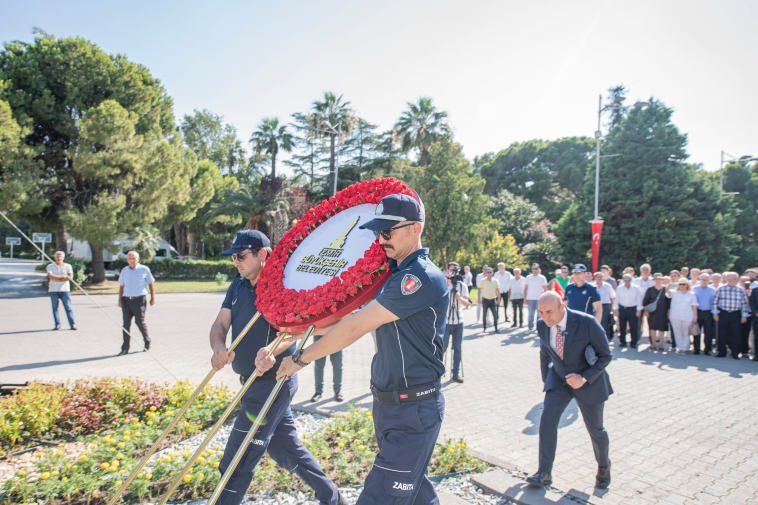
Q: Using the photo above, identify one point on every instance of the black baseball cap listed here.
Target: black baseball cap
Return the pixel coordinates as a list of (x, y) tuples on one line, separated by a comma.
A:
[(579, 268), (247, 239), (394, 209)]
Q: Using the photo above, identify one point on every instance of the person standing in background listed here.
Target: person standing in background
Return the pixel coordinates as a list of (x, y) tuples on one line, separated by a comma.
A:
[(468, 280), (562, 277), (607, 295), (704, 294), (489, 297), (503, 278), (657, 320), (628, 309), (746, 326), (59, 274), (682, 313), (536, 284), (134, 282), (753, 302), (730, 308), (518, 285), (479, 278), (643, 282)]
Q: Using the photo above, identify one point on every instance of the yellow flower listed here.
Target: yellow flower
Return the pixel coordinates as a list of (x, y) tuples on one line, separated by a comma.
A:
[(360, 447), (149, 423), (304, 441), (55, 473), (104, 465), (39, 454), (450, 449), (221, 405), (187, 478), (118, 482), (185, 455), (153, 408), (140, 475), (121, 445), (340, 445), (96, 495), (68, 465), (216, 447), (114, 463), (64, 479), (137, 434), (126, 438), (112, 469), (149, 476), (111, 450), (119, 456), (22, 473), (121, 472), (184, 433), (167, 459), (45, 476), (57, 453), (201, 460), (215, 465)]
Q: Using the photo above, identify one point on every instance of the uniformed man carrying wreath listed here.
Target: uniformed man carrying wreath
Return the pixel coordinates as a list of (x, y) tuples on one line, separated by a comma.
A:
[(277, 436), (409, 318)]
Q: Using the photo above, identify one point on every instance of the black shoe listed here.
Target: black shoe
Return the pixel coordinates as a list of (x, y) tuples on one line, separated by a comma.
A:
[(457, 379), (540, 479), (57, 327), (73, 327), (735, 357), (622, 345), (147, 346), (696, 353), (754, 358), (633, 346), (603, 479), (338, 397), (707, 353), (122, 353), (316, 397), (497, 331), (514, 325)]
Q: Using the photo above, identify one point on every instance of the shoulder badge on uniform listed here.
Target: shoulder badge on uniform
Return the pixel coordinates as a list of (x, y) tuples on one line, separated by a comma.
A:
[(410, 284)]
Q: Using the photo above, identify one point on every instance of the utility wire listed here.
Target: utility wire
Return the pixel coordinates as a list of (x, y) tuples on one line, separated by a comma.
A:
[(83, 291)]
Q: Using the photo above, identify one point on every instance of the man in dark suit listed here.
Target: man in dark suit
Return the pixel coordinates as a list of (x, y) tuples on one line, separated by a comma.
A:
[(565, 336)]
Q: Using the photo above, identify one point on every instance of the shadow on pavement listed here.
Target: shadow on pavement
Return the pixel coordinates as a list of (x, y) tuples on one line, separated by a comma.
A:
[(569, 416), (45, 364)]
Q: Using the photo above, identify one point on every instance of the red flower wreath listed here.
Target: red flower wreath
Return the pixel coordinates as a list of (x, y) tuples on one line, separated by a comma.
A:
[(284, 307)]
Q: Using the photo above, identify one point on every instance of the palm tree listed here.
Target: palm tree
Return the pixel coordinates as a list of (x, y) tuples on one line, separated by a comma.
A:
[(421, 125), (333, 115), (258, 212), (270, 137)]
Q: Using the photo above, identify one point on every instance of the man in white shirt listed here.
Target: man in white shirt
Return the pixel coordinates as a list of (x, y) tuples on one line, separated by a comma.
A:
[(503, 278), (628, 305), (536, 284), (607, 295), (468, 280), (59, 275), (479, 278), (644, 281), (518, 285), (134, 282)]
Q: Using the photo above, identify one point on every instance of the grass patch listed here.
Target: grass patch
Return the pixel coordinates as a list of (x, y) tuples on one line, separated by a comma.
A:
[(161, 286)]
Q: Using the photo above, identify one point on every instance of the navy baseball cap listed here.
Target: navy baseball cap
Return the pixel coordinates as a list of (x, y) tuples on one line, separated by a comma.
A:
[(579, 268), (394, 209), (247, 239)]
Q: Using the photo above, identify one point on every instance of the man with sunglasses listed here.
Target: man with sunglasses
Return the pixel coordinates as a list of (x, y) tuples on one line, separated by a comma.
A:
[(278, 436), (409, 318)]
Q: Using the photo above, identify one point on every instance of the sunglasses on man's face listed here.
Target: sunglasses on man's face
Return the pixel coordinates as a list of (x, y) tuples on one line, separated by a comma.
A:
[(240, 256), (387, 234)]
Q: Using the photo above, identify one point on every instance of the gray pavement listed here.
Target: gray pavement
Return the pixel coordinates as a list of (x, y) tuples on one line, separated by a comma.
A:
[(682, 428), (18, 278)]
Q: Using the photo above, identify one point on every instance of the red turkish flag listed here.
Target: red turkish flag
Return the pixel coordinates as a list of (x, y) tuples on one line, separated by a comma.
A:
[(557, 288), (597, 232)]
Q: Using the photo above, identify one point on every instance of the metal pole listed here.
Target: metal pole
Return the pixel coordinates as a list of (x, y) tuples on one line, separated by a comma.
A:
[(253, 429), (597, 156), (11, 251), (721, 173)]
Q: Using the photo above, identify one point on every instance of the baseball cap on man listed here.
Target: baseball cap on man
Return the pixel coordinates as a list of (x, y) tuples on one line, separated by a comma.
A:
[(247, 239), (579, 268), (392, 210)]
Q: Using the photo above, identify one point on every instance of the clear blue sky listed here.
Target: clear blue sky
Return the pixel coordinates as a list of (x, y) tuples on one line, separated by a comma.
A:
[(505, 71)]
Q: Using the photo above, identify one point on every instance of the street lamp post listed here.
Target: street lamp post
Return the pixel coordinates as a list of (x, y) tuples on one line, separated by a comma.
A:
[(332, 133)]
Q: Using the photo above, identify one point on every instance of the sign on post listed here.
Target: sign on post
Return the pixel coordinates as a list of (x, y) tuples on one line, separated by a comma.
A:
[(43, 238), (11, 241)]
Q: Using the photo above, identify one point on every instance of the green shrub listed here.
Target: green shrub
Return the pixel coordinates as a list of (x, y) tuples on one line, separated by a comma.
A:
[(184, 269)]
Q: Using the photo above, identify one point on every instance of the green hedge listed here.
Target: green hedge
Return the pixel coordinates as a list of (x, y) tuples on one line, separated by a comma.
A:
[(183, 269)]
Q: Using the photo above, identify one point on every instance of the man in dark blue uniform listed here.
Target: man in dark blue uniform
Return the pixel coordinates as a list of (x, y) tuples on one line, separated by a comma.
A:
[(409, 318), (277, 436), (583, 297)]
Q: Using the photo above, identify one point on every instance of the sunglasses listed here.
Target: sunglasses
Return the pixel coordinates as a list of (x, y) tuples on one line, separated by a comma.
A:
[(387, 234), (240, 256)]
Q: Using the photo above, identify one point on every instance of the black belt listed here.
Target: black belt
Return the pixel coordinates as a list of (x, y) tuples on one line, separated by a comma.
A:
[(414, 394), (133, 297), (244, 378), (629, 307)]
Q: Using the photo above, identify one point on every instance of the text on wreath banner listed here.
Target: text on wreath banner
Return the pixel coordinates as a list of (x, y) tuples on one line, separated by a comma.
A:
[(326, 263)]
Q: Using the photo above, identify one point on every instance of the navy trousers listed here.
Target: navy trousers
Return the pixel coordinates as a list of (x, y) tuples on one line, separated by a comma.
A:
[(279, 437), (406, 434), (556, 401)]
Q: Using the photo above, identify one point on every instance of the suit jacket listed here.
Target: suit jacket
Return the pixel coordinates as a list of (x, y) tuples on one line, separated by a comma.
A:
[(581, 330)]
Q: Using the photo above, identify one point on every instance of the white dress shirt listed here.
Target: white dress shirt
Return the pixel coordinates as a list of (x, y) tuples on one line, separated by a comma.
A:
[(554, 331), (517, 288), (628, 297), (606, 292), (504, 280), (643, 284)]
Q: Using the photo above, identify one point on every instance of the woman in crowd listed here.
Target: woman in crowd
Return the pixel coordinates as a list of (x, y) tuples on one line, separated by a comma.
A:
[(747, 325), (682, 312), (657, 320)]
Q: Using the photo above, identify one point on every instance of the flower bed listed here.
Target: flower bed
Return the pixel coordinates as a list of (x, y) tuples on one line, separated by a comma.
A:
[(89, 469)]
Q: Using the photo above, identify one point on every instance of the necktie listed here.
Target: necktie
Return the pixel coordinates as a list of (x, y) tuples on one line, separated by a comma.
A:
[(559, 341)]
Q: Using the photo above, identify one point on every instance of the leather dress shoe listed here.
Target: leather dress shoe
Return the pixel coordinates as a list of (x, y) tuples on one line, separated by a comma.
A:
[(338, 397), (122, 353), (147, 346), (540, 479), (316, 397), (603, 479), (457, 378)]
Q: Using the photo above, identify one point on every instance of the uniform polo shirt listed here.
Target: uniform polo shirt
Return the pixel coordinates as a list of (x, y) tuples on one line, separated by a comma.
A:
[(240, 299), (409, 350), (135, 280), (581, 298)]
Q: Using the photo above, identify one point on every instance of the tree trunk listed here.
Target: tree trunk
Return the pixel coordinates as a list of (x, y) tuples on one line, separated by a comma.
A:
[(98, 268), (182, 244), (273, 167), (424, 158), (61, 239), (195, 245)]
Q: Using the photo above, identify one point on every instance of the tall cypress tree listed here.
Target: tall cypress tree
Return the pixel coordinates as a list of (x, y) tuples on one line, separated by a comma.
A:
[(656, 207)]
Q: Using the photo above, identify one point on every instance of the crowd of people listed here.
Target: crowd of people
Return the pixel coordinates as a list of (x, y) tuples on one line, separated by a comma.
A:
[(687, 310)]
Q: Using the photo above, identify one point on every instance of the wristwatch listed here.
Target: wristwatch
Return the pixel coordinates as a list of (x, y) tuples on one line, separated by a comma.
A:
[(296, 358)]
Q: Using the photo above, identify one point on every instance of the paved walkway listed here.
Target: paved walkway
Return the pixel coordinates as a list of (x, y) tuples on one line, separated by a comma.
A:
[(18, 278), (682, 428)]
